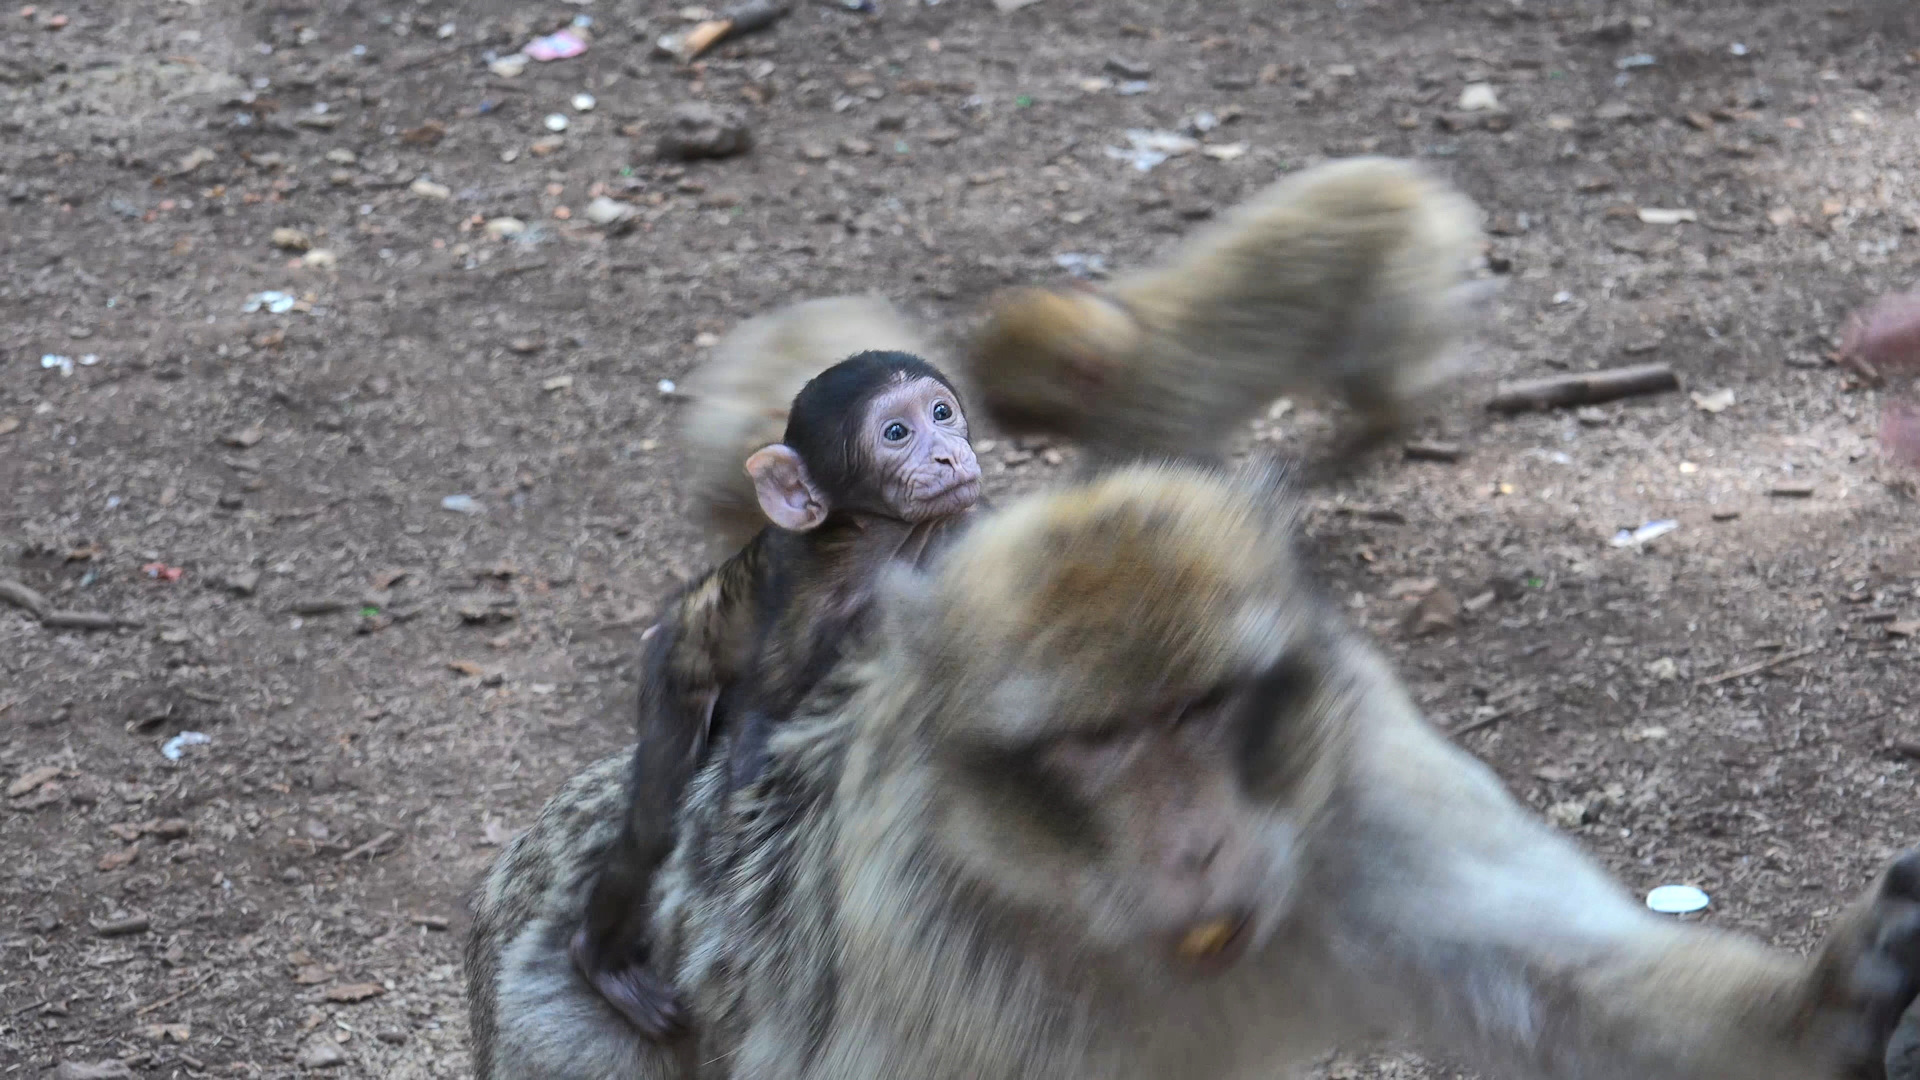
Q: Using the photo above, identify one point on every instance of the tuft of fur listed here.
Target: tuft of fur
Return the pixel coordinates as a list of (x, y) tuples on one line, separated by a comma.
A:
[(857, 914), (1348, 280), (740, 397)]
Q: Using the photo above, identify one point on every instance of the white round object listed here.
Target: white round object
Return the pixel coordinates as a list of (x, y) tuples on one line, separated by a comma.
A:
[(1676, 899), (557, 122), (584, 102)]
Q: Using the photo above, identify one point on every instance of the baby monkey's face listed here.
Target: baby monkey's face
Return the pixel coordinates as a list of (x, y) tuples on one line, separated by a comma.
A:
[(917, 437)]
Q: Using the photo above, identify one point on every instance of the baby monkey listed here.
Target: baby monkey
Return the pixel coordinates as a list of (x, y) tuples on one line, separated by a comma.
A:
[(740, 397), (874, 464), (1348, 279)]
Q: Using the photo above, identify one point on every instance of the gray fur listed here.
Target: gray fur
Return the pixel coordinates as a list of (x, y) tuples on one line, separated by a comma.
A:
[(824, 928)]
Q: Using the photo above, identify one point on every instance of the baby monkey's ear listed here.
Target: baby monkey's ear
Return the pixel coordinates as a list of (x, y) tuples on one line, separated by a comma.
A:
[(787, 494)]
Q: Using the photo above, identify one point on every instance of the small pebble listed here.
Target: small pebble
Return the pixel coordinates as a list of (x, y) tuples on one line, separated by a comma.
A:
[(584, 102), (557, 121)]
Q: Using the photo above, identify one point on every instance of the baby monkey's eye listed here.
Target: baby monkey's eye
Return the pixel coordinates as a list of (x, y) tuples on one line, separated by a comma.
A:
[(942, 411), (895, 431)]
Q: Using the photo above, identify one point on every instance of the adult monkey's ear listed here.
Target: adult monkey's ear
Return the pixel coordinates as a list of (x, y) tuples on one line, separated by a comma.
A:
[(788, 496)]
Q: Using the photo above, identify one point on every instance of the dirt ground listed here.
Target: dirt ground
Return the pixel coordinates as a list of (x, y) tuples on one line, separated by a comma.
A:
[(390, 688)]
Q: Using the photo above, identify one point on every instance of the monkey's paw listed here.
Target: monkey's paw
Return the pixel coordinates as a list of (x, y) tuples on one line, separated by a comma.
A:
[(1872, 968), (647, 1001)]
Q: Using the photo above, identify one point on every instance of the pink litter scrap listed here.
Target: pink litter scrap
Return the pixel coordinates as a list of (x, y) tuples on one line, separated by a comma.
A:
[(557, 46)]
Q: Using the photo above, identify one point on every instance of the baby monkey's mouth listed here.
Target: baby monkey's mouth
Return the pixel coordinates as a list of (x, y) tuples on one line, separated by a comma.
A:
[(951, 499), (1213, 945)]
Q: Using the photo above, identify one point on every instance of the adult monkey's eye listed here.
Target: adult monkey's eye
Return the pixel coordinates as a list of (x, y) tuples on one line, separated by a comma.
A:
[(942, 411), (895, 431)]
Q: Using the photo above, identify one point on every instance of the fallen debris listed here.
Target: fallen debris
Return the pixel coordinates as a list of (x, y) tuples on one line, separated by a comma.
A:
[(1645, 534), (1148, 149), (1654, 216), (1758, 666), (176, 746), (1491, 719), (372, 847), (1583, 388), (1676, 899), (176, 996), (1447, 453), (560, 45), (34, 779), (34, 604), (740, 19), (354, 992), (124, 926)]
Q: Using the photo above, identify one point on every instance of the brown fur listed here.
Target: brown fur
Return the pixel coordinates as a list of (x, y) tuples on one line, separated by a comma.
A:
[(858, 913), (1347, 280), (741, 395)]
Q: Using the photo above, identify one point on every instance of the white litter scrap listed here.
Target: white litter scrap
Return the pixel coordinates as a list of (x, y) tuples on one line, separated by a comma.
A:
[(1652, 530), (1081, 265), (1653, 215), (174, 747), (278, 303), (1149, 148), (461, 504), (1677, 900)]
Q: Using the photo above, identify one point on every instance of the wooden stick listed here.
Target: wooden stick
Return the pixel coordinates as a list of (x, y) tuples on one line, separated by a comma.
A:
[(170, 999), (22, 597), (1759, 666), (58, 619), (371, 847), (1584, 388), (31, 602), (1488, 721)]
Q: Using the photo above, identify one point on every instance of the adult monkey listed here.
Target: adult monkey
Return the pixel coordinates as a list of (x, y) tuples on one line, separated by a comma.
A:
[(874, 466), (1110, 795)]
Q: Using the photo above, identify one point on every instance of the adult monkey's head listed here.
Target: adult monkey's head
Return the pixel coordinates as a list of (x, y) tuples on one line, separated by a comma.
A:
[(880, 433)]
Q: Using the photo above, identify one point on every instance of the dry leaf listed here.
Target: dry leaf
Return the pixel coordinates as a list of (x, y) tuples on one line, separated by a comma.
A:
[(1782, 216), (246, 437), (125, 830), (33, 779), (120, 860), (1903, 629), (467, 667), (353, 992), (312, 975), (177, 1032)]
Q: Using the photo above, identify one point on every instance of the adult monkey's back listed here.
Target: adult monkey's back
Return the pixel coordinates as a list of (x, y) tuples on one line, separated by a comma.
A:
[(1110, 796)]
